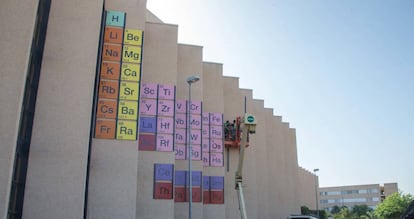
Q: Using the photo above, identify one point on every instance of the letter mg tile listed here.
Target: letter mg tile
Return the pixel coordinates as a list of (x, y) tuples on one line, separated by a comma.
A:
[(131, 54)]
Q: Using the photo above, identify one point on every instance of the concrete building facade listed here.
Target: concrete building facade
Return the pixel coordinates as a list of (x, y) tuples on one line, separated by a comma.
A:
[(349, 196), (94, 102)]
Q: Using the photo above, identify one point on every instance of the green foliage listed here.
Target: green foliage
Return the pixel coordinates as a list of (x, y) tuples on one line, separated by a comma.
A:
[(357, 212), (393, 206), (304, 210)]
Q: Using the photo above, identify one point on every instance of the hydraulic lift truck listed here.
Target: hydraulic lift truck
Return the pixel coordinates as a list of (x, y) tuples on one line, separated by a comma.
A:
[(239, 137)]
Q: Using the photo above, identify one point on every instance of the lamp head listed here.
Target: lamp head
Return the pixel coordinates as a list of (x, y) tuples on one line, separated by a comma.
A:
[(315, 170), (193, 79)]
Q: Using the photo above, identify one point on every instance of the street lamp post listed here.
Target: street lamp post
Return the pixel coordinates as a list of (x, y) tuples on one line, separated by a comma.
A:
[(316, 192), (190, 80)]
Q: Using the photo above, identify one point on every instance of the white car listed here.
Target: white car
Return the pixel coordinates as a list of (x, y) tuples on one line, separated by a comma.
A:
[(301, 217)]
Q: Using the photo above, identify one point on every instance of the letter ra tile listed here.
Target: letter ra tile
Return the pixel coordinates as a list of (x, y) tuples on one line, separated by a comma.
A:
[(105, 129), (110, 70), (106, 109), (163, 190), (126, 130)]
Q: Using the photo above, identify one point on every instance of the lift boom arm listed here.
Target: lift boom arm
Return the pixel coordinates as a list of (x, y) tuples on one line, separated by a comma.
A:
[(248, 126)]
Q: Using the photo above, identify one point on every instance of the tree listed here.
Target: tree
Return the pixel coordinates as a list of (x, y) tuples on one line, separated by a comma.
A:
[(335, 209), (360, 210), (393, 206)]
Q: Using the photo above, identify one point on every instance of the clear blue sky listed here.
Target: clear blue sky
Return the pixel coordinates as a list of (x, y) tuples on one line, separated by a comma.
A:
[(340, 72)]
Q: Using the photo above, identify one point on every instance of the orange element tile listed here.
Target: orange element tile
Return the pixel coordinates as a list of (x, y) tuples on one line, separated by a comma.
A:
[(111, 52), (105, 129), (106, 109), (108, 89), (113, 35), (110, 70)]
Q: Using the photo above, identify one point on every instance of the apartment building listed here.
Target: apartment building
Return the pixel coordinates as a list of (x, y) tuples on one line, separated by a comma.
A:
[(370, 195)]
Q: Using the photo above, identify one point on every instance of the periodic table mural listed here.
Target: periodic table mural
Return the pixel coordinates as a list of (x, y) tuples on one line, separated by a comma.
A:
[(127, 109), (119, 79)]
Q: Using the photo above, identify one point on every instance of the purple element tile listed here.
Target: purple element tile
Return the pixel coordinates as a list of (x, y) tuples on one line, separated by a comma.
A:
[(216, 119), (180, 121), (166, 108), (216, 159), (179, 179), (166, 92), (165, 142), (195, 137), (217, 182), (196, 178), (180, 136), (206, 183), (181, 106), (147, 124), (205, 144), (216, 145), (196, 152), (149, 91), (179, 152), (165, 125), (205, 131), (195, 107), (148, 107), (163, 172), (195, 121), (146, 142), (206, 159), (216, 132), (206, 119)]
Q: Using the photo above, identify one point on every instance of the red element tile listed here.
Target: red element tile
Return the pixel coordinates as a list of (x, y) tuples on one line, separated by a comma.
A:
[(163, 190)]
